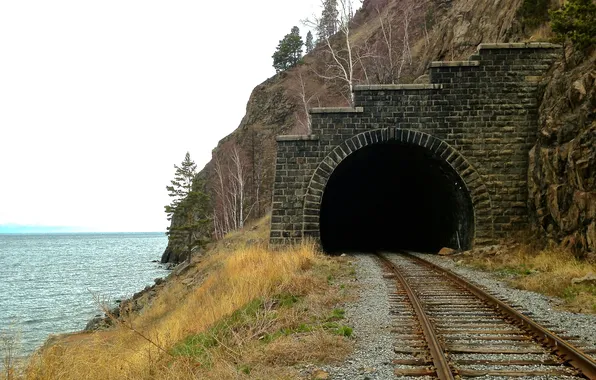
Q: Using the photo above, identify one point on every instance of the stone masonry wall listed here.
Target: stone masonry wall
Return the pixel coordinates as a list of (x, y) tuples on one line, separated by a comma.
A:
[(479, 115)]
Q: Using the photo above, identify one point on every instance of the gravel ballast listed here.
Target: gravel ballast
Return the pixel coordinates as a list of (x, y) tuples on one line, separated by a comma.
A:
[(370, 316), (542, 307)]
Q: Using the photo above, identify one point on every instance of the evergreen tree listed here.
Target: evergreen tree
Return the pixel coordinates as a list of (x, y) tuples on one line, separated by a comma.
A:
[(328, 23), (188, 208), (576, 21), (289, 51), (181, 184), (309, 44)]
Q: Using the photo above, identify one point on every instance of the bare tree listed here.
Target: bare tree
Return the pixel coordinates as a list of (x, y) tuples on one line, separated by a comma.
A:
[(258, 173), (230, 210), (238, 175), (221, 212), (392, 52), (305, 96), (342, 60), (406, 52)]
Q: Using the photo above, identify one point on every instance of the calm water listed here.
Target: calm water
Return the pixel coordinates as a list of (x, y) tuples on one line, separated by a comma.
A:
[(47, 280)]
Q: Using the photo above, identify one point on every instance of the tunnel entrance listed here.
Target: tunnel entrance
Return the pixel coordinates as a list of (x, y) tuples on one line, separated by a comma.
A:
[(391, 196)]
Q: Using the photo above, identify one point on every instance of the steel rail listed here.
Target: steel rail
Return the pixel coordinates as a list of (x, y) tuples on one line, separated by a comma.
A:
[(573, 355), (438, 357)]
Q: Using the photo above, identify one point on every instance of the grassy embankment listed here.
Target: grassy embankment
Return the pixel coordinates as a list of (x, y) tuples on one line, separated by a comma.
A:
[(548, 271), (241, 311)]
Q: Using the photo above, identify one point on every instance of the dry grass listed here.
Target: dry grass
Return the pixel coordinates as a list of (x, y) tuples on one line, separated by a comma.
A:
[(543, 33), (548, 271), (10, 342), (236, 313)]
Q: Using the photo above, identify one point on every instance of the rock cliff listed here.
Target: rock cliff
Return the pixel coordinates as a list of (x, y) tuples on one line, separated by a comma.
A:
[(437, 30), (562, 171)]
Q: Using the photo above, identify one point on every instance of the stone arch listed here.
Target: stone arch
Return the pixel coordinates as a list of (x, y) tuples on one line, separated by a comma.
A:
[(480, 197)]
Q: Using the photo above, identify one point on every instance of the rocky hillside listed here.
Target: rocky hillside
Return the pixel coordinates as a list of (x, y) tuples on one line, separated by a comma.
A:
[(434, 30), (562, 172)]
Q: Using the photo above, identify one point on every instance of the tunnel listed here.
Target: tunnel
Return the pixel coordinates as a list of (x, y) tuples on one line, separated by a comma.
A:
[(394, 196)]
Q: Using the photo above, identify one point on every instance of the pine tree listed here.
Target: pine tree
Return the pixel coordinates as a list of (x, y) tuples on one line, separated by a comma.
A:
[(576, 21), (289, 51), (188, 208), (181, 184), (328, 24), (309, 44)]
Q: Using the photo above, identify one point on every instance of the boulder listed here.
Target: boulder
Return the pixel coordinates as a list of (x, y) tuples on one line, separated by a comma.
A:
[(589, 279), (446, 251), (319, 374)]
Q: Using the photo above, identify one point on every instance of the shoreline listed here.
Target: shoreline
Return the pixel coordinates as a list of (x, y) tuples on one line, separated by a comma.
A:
[(49, 279)]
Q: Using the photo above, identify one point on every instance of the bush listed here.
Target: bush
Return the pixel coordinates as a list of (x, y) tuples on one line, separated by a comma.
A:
[(9, 353), (533, 13), (576, 21)]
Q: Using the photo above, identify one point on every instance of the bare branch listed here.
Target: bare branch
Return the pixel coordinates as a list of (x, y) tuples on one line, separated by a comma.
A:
[(342, 60)]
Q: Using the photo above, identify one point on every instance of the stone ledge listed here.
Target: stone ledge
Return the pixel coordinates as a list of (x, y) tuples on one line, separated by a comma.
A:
[(336, 110), (454, 63), (297, 138), (381, 87), (520, 45)]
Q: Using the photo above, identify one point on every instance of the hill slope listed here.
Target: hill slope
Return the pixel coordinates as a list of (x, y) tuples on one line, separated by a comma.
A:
[(432, 29)]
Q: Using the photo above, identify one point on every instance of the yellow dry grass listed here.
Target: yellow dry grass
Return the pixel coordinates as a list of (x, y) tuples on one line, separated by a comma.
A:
[(197, 303), (548, 271), (543, 33)]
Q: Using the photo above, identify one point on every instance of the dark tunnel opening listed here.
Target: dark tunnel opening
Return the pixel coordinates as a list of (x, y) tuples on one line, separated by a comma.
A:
[(393, 196)]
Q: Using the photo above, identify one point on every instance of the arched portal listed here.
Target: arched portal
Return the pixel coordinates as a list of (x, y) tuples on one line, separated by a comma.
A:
[(394, 189), (391, 196)]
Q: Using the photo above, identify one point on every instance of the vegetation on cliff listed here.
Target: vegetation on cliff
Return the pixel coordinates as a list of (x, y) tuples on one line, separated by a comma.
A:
[(576, 21), (289, 51), (190, 206), (389, 41), (393, 42)]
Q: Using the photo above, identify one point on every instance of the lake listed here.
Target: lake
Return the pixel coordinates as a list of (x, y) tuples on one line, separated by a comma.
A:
[(48, 281)]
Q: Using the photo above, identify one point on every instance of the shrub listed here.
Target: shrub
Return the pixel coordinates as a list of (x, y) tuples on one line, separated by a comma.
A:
[(532, 13), (576, 21)]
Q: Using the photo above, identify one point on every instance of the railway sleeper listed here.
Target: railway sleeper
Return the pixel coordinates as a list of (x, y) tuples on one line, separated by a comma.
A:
[(504, 373)]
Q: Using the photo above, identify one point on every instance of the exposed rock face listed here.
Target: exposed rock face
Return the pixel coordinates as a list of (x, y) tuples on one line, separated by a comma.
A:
[(460, 26), (562, 170), (119, 313), (439, 30), (174, 252)]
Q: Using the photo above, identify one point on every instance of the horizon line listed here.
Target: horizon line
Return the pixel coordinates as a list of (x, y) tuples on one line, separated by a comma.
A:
[(76, 232), (37, 229)]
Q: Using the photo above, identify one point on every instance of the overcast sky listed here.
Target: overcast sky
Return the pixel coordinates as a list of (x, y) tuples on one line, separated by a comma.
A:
[(99, 99)]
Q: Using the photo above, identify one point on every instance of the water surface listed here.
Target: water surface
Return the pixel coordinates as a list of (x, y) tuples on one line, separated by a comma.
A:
[(47, 281)]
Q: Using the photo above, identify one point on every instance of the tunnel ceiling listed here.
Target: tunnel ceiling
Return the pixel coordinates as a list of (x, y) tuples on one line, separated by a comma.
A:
[(392, 196)]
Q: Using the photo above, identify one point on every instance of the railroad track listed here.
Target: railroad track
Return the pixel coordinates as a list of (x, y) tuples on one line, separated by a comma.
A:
[(447, 328)]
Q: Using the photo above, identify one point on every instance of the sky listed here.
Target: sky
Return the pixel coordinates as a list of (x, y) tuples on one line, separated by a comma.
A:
[(99, 100)]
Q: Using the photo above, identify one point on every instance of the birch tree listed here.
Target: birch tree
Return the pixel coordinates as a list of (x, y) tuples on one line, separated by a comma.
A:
[(392, 54), (231, 209), (342, 60), (305, 96), (238, 188), (221, 212)]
